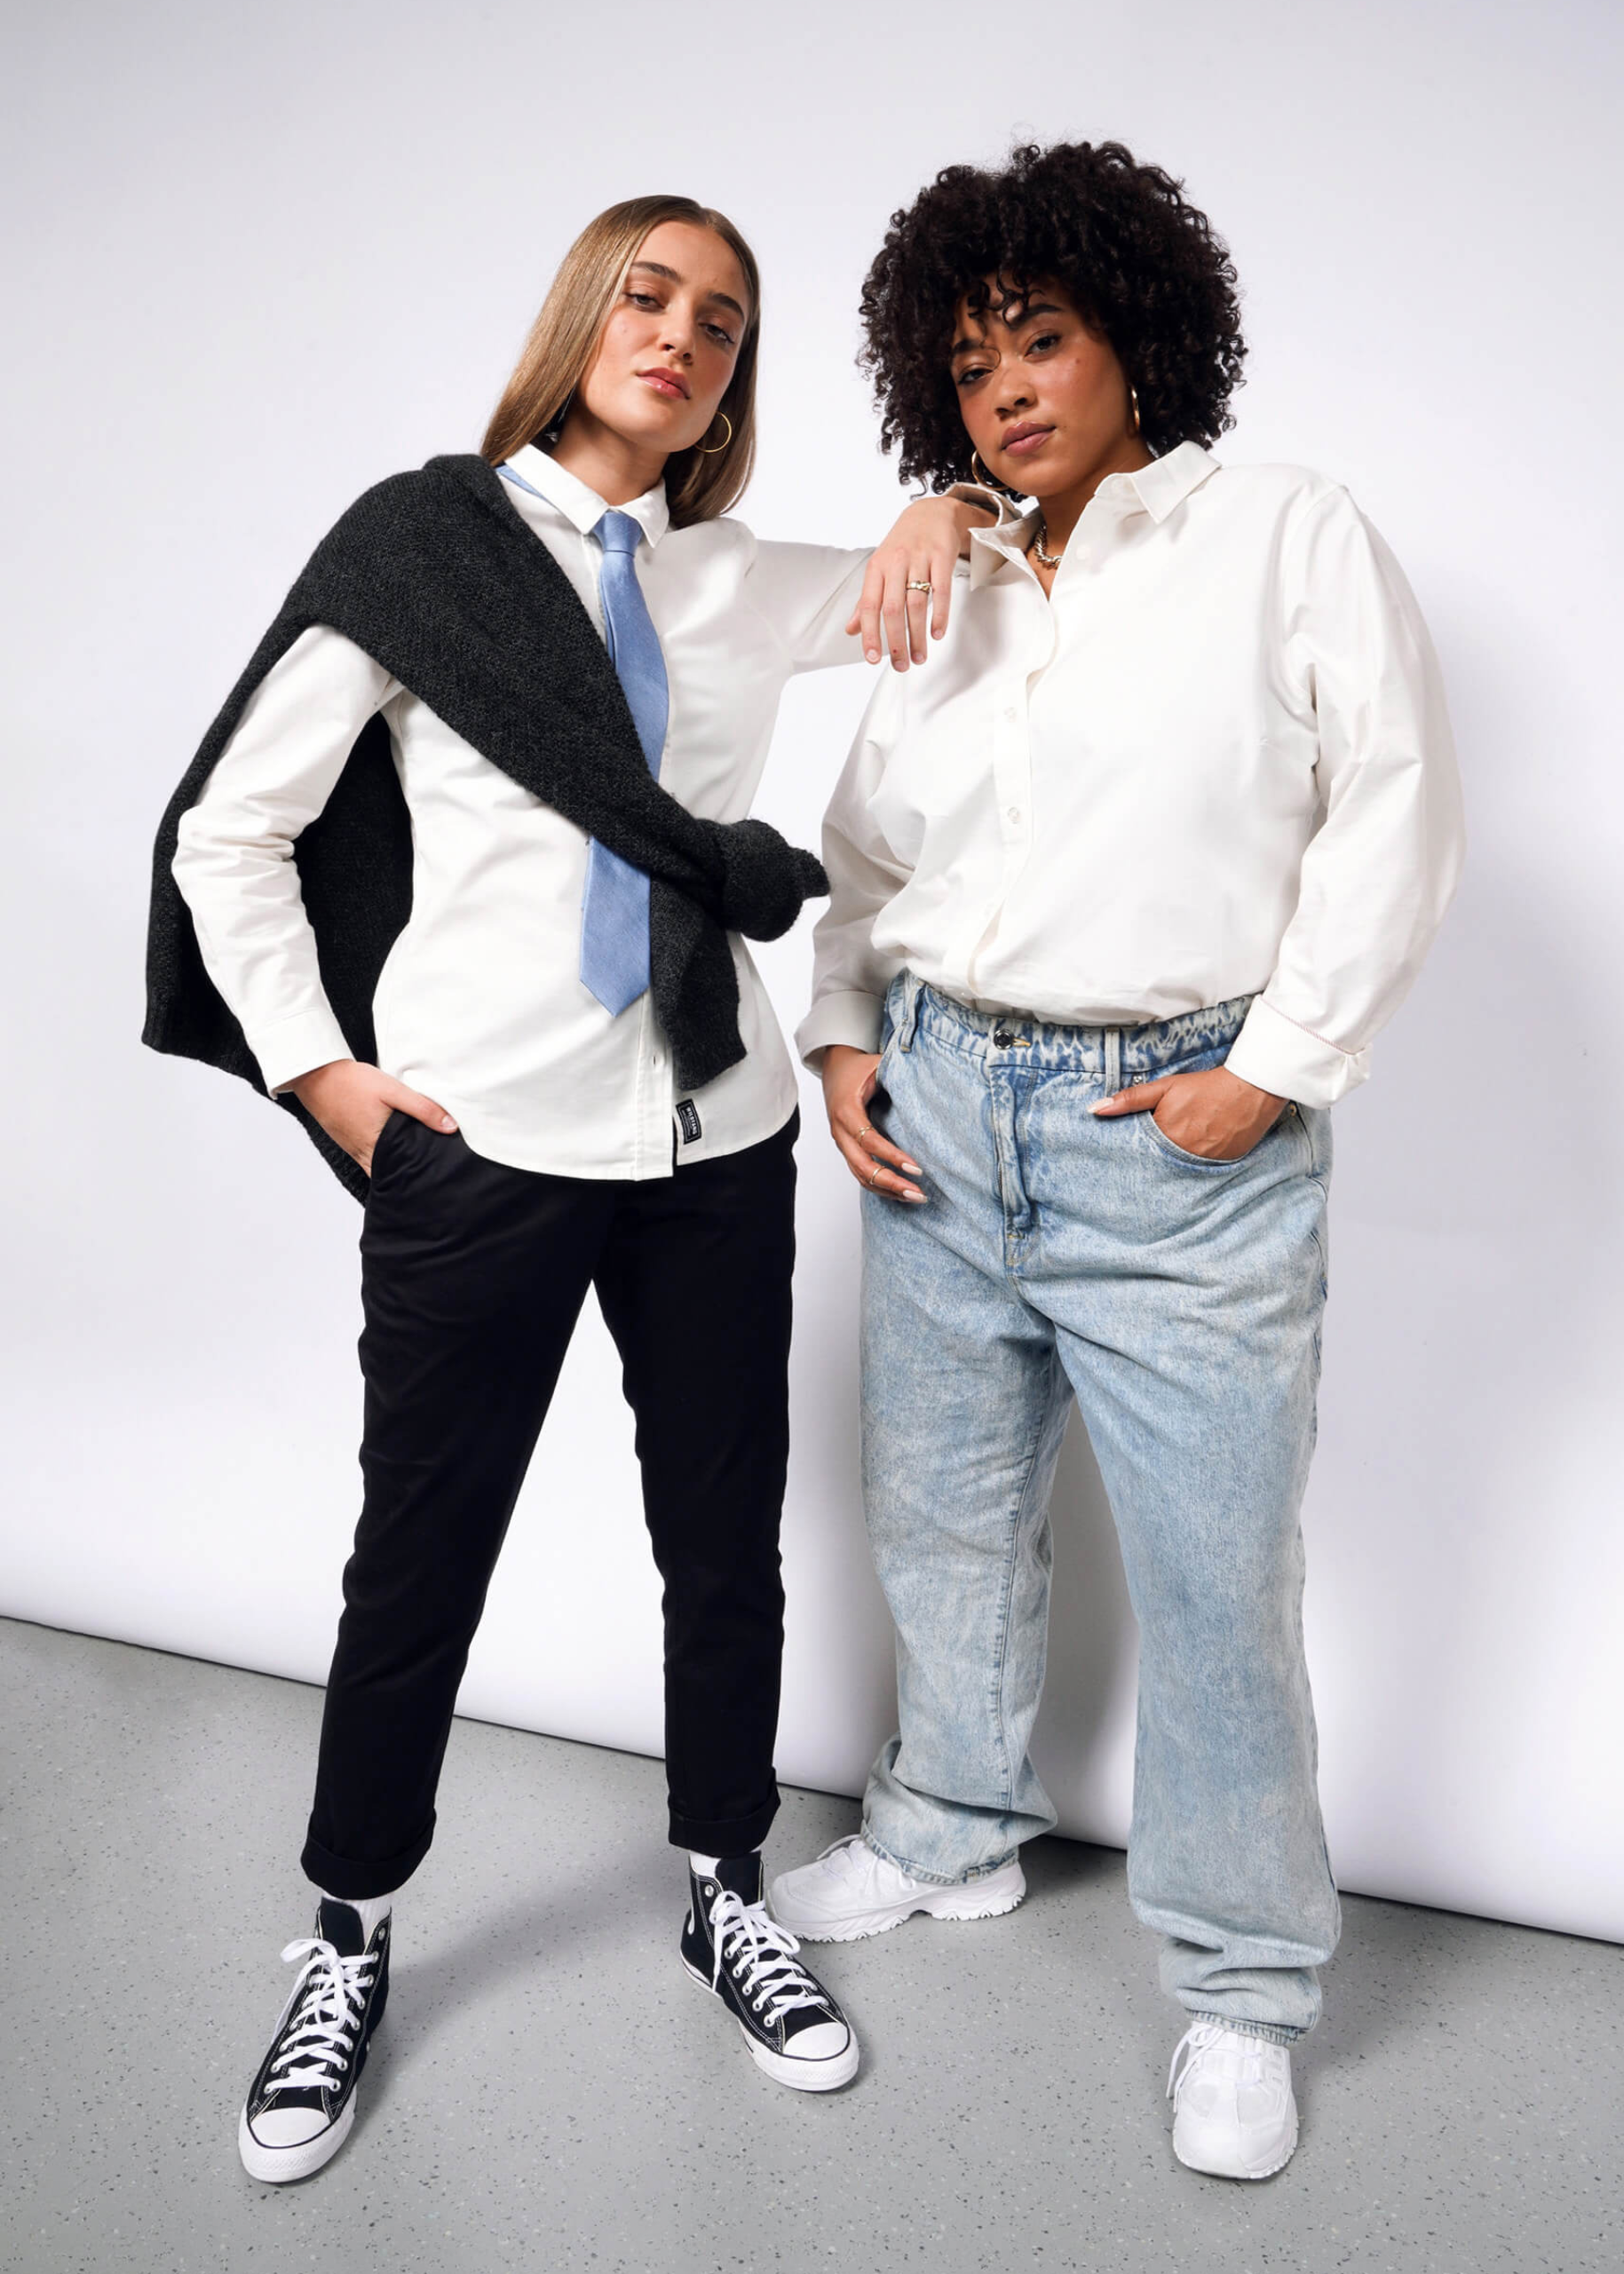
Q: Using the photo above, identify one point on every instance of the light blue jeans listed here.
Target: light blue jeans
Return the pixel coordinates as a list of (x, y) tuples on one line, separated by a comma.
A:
[(1179, 1300)]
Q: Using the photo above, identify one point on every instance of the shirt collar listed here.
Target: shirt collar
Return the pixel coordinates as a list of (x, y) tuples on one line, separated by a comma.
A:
[(569, 495), (1155, 489), (1165, 483)]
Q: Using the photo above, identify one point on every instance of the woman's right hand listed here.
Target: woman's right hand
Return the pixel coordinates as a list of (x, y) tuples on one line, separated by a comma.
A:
[(352, 1102), (848, 1081)]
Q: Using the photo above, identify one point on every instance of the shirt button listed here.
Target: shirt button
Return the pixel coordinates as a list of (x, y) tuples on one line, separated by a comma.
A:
[(1015, 812)]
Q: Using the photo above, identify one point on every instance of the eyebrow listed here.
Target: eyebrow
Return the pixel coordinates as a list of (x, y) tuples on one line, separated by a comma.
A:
[(659, 268), (1032, 308)]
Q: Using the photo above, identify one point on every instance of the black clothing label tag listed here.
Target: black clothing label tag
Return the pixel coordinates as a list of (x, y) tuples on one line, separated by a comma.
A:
[(687, 1120)]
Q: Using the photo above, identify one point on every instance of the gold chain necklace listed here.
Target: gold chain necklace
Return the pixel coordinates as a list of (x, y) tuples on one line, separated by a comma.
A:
[(1049, 559)]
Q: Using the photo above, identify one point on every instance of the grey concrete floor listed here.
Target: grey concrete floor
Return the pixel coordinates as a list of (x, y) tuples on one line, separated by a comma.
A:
[(549, 2091)]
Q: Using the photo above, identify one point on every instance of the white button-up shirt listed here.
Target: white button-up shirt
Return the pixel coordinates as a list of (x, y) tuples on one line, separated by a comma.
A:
[(1215, 762), (480, 1003)]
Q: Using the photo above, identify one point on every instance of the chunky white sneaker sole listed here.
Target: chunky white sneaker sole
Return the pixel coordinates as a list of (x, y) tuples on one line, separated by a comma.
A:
[(278, 2164), (1221, 2160), (800, 2075), (999, 1892)]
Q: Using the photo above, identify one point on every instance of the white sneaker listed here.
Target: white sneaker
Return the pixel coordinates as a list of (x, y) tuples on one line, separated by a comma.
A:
[(1234, 2113), (850, 1892)]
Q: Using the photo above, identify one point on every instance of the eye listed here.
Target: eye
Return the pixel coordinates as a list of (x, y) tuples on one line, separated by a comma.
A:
[(641, 300), (968, 377), (1045, 339), (719, 332)]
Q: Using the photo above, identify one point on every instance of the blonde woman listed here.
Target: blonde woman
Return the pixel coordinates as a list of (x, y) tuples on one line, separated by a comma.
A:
[(459, 876)]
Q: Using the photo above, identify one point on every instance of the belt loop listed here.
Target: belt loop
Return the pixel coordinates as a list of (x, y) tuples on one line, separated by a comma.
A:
[(912, 985), (1113, 1060)]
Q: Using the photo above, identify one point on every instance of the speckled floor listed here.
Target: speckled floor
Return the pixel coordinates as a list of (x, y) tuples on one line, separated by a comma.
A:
[(549, 2091)]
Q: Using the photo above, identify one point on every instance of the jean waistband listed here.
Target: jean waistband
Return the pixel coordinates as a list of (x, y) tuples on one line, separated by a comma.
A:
[(1118, 1053)]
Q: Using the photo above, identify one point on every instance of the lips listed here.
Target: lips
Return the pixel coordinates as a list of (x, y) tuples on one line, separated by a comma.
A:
[(1021, 441), (671, 385)]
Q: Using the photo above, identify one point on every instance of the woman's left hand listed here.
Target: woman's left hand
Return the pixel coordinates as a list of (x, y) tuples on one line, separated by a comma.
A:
[(910, 578), (1215, 1115)]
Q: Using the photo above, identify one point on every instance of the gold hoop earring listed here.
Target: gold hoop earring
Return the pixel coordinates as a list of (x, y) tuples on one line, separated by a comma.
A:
[(1133, 404), (984, 477), (717, 448)]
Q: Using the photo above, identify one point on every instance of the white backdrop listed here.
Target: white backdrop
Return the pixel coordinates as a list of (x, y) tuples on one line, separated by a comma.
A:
[(261, 256)]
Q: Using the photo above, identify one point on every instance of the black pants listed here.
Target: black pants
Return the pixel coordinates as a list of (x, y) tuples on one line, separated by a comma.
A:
[(472, 1278)]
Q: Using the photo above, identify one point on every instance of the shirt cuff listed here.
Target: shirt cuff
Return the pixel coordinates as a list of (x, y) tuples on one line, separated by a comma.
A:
[(298, 1045), (1274, 1053), (852, 1018), (978, 493)]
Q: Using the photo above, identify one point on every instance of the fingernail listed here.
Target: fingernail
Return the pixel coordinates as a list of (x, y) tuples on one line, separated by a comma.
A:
[(445, 1121), (872, 654), (913, 1168)]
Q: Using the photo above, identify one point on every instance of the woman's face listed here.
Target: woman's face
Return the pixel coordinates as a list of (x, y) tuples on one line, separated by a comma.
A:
[(1044, 399), (670, 343)]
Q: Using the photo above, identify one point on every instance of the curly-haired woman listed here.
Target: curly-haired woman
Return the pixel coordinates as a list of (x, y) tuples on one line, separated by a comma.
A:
[(1122, 890), (460, 873)]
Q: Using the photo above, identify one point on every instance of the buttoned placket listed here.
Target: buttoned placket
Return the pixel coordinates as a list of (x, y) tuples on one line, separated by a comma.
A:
[(1012, 754)]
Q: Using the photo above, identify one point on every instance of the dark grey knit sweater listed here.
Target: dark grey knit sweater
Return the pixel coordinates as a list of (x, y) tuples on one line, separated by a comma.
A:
[(438, 579)]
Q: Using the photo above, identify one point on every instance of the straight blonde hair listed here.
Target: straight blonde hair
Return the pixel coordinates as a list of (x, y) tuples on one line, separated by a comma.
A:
[(698, 483)]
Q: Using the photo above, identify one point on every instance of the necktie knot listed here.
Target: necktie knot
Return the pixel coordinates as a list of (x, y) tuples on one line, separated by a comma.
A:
[(619, 532)]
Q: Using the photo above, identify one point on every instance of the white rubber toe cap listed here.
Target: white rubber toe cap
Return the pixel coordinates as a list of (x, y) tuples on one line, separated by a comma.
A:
[(275, 2150), (287, 2127), (825, 2041)]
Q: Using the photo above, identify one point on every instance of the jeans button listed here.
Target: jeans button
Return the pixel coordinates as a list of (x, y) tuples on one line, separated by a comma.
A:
[(1002, 1037)]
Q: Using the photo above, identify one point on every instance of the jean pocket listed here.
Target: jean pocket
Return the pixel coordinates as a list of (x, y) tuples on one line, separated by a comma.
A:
[(1152, 1130)]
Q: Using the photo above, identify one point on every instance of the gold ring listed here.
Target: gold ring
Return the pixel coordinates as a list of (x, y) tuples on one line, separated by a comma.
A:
[(914, 585), (874, 1173)]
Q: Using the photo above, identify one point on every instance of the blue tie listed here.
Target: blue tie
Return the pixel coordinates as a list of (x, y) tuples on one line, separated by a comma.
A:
[(615, 913)]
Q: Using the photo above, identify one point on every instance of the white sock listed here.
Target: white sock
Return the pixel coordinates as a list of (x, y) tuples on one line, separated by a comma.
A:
[(370, 1909), (706, 1866)]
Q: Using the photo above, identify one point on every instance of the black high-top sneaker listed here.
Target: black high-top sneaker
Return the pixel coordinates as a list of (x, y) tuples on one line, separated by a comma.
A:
[(301, 2105), (795, 2029)]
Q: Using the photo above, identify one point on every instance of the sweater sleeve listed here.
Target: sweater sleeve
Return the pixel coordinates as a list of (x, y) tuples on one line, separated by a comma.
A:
[(234, 860)]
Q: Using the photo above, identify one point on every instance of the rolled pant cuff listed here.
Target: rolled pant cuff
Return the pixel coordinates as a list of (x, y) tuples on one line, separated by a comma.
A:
[(356, 1882), (1276, 2032), (717, 1835)]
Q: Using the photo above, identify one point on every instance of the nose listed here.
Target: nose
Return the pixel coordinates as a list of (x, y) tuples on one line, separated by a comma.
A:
[(679, 337)]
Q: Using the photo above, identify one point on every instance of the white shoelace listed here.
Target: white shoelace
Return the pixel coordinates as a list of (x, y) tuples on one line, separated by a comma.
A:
[(761, 1956), (327, 2016), (1243, 2066)]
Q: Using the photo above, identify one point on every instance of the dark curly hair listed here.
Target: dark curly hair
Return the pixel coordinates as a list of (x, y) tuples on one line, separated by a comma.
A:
[(1142, 265)]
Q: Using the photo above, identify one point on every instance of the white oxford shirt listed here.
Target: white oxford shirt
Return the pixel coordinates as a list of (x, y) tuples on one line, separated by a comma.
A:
[(1216, 762), (480, 1003)]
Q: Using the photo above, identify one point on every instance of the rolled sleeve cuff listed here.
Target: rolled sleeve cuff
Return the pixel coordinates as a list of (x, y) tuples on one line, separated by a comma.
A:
[(851, 1020), (298, 1045), (1273, 1053), (1003, 508)]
